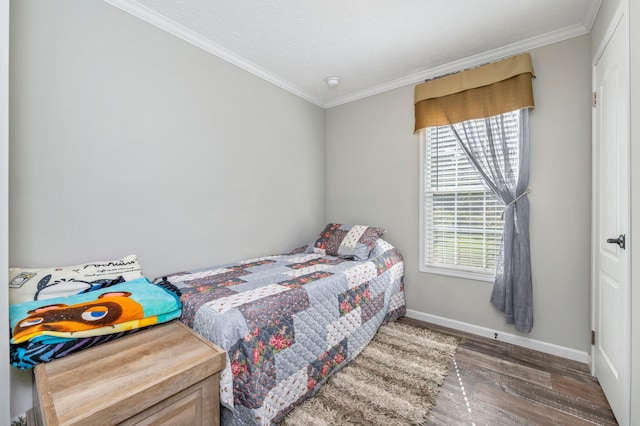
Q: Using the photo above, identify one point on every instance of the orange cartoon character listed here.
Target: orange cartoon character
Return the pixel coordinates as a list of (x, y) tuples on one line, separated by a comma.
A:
[(61, 320)]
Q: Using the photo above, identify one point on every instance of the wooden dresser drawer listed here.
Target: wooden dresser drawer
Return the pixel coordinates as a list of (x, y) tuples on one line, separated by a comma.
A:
[(192, 406), (165, 375)]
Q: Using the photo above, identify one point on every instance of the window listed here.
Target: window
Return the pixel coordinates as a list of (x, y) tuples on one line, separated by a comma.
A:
[(461, 220)]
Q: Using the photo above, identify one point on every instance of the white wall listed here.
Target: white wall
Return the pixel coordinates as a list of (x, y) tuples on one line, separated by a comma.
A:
[(373, 177), (4, 208), (125, 139)]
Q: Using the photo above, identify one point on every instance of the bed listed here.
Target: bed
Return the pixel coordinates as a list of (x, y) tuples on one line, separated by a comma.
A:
[(288, 322)]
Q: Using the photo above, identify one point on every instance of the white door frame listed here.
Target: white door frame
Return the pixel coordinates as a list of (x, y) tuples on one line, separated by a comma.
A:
[(622, 13)]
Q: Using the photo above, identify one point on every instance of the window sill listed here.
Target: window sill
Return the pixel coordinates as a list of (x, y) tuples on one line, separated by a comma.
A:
[(458, 273)]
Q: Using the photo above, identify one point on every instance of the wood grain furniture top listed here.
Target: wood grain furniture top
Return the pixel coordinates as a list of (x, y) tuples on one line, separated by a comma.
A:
[(116, 381)]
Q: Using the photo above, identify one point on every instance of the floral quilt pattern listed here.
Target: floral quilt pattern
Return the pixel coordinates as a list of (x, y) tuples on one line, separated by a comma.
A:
[(288, 322)]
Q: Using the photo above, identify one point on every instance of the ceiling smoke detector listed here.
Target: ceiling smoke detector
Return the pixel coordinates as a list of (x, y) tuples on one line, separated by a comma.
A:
[(332, 81)]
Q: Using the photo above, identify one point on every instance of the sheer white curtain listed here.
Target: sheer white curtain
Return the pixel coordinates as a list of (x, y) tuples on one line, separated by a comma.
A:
[(505, 172), (480, 100)]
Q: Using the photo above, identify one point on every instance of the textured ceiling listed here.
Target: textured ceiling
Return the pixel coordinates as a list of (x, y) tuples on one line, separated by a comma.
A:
[(371, 45)]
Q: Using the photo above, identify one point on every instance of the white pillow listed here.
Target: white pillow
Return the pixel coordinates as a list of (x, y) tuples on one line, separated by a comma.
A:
[(29, 284)]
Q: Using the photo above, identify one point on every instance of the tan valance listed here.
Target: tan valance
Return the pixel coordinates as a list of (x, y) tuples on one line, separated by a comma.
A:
[(484, 91)]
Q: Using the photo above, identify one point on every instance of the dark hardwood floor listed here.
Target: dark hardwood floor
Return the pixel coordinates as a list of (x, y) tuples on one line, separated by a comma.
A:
[(497, 383)]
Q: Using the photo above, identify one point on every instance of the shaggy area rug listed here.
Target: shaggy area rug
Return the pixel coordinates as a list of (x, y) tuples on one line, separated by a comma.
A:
[(394, 381)]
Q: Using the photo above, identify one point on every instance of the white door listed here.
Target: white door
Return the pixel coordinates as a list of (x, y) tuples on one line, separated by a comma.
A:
[(611, 295)]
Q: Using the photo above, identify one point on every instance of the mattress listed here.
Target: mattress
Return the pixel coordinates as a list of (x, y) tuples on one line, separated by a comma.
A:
[(288, 322)]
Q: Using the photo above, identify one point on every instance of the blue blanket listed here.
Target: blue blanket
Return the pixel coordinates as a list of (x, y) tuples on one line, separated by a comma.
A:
[(75, 321)]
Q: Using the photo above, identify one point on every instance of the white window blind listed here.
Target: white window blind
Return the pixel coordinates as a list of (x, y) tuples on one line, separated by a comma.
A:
[(462, 220)]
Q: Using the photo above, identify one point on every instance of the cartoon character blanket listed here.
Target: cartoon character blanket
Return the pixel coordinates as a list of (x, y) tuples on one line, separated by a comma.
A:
[(288, 322), (43, 330)]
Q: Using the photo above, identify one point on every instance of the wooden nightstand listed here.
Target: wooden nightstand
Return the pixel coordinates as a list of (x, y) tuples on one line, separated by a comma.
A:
[(165, 375)]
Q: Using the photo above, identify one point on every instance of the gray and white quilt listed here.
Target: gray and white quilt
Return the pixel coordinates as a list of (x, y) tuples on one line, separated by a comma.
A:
[(288, 322)]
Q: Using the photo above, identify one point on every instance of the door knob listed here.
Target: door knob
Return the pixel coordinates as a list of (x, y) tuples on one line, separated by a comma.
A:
[(619, 241)]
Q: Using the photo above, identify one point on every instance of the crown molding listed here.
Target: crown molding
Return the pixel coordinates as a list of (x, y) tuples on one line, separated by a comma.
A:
[(469, 62), (154, 18)]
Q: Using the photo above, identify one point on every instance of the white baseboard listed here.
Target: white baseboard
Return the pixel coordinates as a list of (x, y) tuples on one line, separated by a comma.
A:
[(525, 342)]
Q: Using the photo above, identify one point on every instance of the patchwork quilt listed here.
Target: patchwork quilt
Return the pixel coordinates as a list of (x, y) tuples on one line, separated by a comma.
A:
[(288, 322)]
